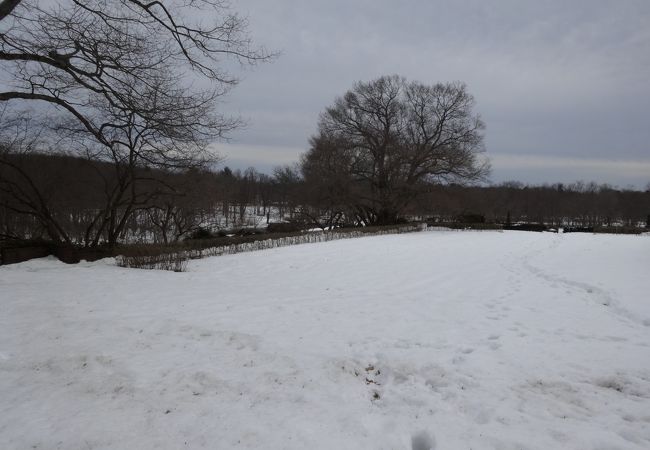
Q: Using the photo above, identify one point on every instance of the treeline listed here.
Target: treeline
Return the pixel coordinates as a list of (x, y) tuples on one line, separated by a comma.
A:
[(577, 204), (74, 200), (88, 203)]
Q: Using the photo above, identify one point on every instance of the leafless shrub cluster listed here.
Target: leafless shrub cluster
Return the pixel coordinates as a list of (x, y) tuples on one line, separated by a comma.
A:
[(177, 261), (305, 238)]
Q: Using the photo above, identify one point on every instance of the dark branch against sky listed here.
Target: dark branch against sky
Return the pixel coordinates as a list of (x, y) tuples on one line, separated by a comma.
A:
[(563, 87)]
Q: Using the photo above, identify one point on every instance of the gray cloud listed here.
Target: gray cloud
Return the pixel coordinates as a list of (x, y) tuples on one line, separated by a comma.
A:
[(552, 79)]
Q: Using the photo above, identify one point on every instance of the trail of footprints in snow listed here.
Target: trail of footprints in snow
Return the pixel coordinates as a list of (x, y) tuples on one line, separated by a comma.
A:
[(598, 295)]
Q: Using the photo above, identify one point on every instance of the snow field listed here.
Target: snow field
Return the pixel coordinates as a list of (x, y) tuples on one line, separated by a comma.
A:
[(447, 340)]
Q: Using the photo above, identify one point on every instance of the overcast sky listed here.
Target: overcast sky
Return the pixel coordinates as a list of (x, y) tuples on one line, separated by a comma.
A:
[(563, 86)]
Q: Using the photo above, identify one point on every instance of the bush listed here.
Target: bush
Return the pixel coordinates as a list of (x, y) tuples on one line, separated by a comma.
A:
[(619, 230), (175, 256), (285, 227), (176, 262), (202, 233), (527, 227), (467, 226), (471, 218), (578, 229), (248, 232)]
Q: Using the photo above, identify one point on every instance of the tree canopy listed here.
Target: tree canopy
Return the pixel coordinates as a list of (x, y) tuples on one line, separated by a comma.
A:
[(383, 140)]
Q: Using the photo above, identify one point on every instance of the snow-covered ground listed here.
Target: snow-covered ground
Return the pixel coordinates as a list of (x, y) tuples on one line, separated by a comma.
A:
[(447, 340)]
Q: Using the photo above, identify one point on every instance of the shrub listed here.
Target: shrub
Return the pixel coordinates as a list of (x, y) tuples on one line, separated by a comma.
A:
[(527, 227), (175, 262), (202, 233), (285, 227), (175, 256), (471, 218)]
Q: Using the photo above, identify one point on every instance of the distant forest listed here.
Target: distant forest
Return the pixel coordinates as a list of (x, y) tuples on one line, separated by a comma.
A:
[(74, 200)]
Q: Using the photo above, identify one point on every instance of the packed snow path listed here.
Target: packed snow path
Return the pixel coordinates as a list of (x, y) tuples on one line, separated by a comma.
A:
[(446, 340)]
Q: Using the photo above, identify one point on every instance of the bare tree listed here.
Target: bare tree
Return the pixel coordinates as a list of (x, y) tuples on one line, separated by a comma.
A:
[(286, 182), (125, 72), (70, 52), (390, 137)]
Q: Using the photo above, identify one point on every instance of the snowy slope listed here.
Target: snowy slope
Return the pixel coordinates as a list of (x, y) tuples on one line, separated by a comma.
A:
[(447, 340)]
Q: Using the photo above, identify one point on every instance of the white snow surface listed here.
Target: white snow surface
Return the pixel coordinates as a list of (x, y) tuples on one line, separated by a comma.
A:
[(446, 340)]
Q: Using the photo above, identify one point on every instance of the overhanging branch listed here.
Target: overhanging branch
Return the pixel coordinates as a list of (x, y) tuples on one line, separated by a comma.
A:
[(7, 6)]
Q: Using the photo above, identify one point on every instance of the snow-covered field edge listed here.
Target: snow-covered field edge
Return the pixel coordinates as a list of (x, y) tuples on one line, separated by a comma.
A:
[(177, 260)]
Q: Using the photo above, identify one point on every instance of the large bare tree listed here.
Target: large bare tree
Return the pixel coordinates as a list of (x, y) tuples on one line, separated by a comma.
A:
[(388, 137), (130, 82), (70, 52)]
